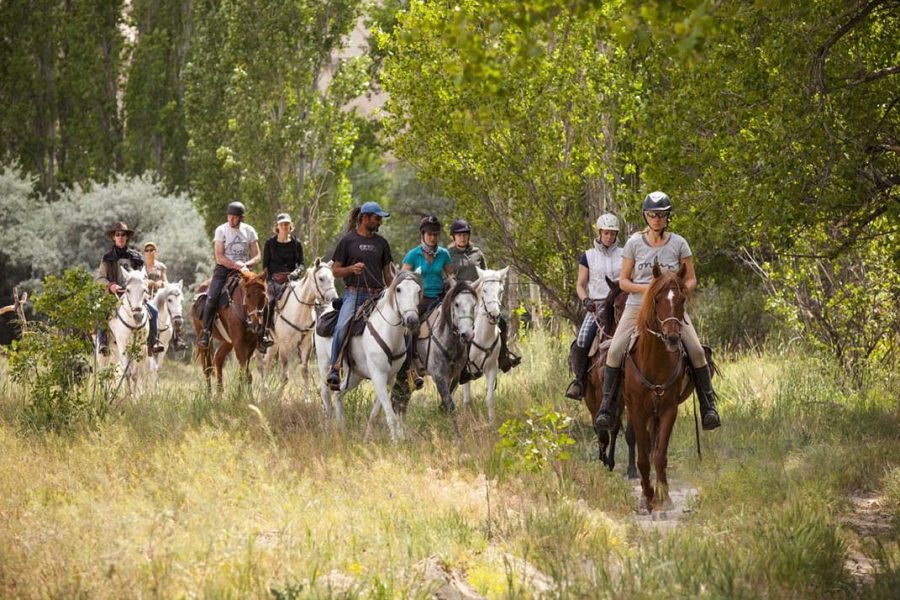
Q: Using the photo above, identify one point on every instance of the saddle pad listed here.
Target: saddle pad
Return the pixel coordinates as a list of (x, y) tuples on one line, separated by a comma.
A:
[(597, 345)]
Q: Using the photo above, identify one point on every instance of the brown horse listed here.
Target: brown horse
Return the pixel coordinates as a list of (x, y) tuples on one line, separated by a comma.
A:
[(656, 380), (608, 319), (238, 326)]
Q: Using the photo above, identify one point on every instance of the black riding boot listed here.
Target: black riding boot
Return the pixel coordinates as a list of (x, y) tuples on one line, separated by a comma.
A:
[(507, 359), (209, 315), (411, 353), (264, 341), (609, 408), (178, 338), (153, 345), (102, 343), (707, 396), (579, 358)]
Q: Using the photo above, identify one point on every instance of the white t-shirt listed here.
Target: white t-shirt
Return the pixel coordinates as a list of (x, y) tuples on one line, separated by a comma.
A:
[(669, 256), (237, 240)]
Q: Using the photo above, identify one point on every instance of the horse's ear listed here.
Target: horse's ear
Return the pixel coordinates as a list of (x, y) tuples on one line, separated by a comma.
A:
[(682, 271), (248, 276), (656, 270), (503, 272), (480, 273), (609, 282), (144, 272), (180, 284), (329, 263), (318, 262)]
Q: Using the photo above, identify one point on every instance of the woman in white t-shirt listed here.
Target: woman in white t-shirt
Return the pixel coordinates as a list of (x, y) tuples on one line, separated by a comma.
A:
[(670, 250)]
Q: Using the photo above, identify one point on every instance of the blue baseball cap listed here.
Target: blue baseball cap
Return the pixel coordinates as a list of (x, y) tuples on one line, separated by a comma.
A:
[(372, 208)]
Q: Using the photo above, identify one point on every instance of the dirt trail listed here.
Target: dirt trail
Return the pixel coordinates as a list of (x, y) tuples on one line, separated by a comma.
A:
[(869, 520), (683, 497)]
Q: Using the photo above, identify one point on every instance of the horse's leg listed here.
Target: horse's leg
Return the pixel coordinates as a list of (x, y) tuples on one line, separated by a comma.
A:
[(219, 360), (613, 435), (380, 380), (642, 437), (243, 354), (664, 433), (373, 414), (467, 394), (629, 439), (490, 380), (447, 404)]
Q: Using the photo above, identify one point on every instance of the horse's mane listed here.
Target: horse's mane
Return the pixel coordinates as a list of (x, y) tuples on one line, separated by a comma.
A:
[(647, 313), (461, 287)]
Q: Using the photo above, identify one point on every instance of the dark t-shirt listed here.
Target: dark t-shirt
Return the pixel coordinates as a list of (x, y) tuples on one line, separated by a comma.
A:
[(282, 257), (374, 252)]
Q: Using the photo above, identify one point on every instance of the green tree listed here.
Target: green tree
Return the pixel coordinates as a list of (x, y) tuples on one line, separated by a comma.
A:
[(264, 100)]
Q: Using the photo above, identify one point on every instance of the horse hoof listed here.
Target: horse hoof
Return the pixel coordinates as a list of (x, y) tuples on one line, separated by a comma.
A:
[(632, 473)]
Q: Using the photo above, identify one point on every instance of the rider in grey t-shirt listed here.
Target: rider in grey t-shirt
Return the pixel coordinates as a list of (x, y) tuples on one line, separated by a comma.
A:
[(672, 252)]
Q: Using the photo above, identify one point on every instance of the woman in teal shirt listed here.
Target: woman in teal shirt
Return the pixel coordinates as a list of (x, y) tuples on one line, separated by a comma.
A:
[(435, 266)]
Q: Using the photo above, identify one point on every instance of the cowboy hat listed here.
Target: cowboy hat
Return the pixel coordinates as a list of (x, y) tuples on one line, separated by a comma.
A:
[(118, 226)]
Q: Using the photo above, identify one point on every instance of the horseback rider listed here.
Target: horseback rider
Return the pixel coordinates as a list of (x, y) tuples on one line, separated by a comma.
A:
[(670, 250), (156, 274), (594, 266), (433, 262), (112, 276), (236, 248), (466, 259), (282, 256), (363, 259)]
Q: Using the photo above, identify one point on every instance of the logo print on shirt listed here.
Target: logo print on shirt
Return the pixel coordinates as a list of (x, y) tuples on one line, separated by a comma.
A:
[(367, 248)]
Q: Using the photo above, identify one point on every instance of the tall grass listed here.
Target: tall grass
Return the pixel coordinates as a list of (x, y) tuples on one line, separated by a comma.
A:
[(178, 494)]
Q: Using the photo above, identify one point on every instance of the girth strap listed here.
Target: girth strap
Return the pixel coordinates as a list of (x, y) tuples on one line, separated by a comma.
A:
[(656, 388), (381, 344)]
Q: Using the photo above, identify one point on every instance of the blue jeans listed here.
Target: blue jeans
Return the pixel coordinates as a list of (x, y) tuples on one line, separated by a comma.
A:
[(353, 299), (153, 334)]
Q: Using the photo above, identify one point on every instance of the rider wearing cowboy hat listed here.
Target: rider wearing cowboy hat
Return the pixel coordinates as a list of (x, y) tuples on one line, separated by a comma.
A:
[(236, 247), (112, 275), (466, 259), (670, 251)]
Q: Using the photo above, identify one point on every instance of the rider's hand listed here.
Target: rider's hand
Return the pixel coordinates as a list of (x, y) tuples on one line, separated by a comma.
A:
[(589, 305), (358, 268), (114, 288)]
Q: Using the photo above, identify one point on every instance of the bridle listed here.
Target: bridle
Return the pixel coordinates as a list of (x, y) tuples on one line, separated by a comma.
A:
[(257, 312), (661, 322), (491, 319), (402, 313), (143, 321)]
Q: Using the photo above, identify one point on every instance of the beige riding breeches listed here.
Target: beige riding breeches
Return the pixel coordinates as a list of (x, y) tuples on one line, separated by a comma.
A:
[(616, 355)]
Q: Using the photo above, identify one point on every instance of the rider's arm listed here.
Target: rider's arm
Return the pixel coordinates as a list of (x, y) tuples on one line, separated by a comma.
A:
[(625, 278), (341, 271), (254, 254), (162, 275), (388, 272), (267, 256), (221, 259), (407, 267), (690, 276), (581, 285)]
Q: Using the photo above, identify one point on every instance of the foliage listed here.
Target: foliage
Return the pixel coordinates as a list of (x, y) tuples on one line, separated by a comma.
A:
[(45, 238), (60, 64), (52, 358), (527, 144), (539, 440), (264, 107)]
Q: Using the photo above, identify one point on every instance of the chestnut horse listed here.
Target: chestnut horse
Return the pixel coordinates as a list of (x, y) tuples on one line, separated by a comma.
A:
[(238, 326), (608, 319), (656, 380)]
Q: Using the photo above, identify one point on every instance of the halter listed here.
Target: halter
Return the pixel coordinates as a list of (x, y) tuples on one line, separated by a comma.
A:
[(293, 292), (255, 311), (126, 323), (455, 330), (402, 313), (377, 337), (493, 320), (662, 322), (176, 319)]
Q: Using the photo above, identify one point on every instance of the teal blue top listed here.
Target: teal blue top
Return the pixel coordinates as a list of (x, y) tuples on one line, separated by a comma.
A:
[(433, 272)]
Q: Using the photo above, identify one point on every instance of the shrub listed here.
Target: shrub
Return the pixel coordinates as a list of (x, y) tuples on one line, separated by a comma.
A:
[(53, 357)]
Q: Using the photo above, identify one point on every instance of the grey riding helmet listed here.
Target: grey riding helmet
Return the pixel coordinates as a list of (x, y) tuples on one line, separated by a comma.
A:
[(658, 201), (236, 208), (460, 226)]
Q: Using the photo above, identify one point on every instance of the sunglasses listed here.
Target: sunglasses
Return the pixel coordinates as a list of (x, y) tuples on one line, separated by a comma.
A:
[(150, 250), (653, 214), (120, 234)]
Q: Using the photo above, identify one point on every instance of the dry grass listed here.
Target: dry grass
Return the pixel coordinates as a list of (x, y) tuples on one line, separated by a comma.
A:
[(179, 495)]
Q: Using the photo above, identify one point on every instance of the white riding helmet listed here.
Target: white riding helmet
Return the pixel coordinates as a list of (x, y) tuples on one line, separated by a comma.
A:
[(608, 221)]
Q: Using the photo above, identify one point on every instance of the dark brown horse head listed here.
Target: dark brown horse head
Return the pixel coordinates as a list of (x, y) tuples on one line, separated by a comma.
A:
[(613, 307), (662, 313), (253, 287)]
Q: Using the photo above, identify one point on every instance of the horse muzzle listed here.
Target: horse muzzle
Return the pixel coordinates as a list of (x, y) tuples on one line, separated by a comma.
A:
[(467, 336), (411, 321)]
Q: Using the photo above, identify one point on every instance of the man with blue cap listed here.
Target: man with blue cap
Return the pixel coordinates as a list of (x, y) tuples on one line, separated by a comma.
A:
[(363, 259)]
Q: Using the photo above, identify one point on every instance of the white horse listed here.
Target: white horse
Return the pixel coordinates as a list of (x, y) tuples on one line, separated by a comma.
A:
[(485, 348), (129, 328), (379, 352), (169, 303), (295, 318)]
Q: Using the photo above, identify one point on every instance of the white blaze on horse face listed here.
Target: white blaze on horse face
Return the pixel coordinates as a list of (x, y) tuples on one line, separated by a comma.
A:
[(671, 297)]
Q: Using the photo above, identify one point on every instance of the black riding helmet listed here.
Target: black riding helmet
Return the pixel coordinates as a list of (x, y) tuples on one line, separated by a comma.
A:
[(657, 201), (460, 226), (236, 208), (430, 224)]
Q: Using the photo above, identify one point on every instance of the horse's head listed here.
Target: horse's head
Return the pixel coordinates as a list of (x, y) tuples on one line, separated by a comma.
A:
[(662, 312), (135, 291), (323, 280), (490, 290), (405, 293), (613, 306), (458, 310), (175, 302), (254, 288)]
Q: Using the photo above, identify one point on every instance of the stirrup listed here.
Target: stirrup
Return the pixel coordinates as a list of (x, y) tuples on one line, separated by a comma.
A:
[(104, 350), (157, 349), (333, 380), (203, 340), (575, 391), (711, 420), (604, 421), (418, 382)]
